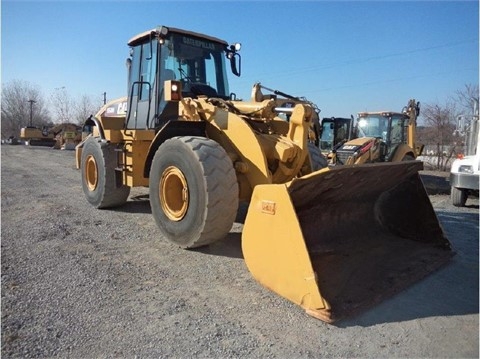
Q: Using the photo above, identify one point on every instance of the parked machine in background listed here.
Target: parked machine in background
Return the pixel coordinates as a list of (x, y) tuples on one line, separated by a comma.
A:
[(330, 240), (34, 136), (334, 132), (12, 140), (382, 137), (67, 136), (464, 173), (63, 136)]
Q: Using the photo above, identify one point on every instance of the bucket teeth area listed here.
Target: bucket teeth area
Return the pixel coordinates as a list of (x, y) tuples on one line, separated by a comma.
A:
[(365, 233)]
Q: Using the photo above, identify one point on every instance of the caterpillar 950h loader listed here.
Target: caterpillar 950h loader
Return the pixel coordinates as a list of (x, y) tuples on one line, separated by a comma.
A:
[(330, 240), (382, 137)]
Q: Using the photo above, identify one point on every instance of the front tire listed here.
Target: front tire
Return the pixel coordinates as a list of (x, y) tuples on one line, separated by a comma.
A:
[(193, 191), (99, 180), (459, 196)]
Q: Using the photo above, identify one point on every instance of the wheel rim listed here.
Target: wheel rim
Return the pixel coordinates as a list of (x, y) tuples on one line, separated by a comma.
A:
[(91, 173), (173, 191)]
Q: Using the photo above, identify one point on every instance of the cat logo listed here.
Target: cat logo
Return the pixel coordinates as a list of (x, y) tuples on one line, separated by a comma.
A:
[(198, 43)]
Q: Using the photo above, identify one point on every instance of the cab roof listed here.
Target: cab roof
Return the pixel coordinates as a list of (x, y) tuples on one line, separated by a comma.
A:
[(140, 38), (381, 113)]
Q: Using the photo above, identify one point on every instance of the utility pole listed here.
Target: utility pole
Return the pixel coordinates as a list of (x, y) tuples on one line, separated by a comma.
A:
[(31, 111), (104, 98)]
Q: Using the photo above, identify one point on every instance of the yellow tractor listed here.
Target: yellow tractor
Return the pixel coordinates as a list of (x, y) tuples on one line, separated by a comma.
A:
[(330, 240), (67, 136), (333, 133), (62, 136), (382, 137), (34, 136)]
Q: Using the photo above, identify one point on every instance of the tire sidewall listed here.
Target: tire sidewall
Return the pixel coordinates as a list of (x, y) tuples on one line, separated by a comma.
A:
[(458, 197), (318, 160), (92, 148), (176, 153)]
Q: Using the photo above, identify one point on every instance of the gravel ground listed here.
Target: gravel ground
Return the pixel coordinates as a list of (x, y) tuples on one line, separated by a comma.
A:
[(83, 283)]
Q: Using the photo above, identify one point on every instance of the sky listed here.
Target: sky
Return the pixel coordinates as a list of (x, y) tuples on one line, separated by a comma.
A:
[(345, 56)]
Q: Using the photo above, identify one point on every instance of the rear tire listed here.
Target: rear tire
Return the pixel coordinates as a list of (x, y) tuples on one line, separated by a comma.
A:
[(317, 159), (459, 196), (193, 191), (408, 158), (99, 179)]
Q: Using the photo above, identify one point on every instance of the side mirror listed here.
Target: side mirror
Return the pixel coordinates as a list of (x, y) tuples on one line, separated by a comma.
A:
[(232, 54), (128, 64), (236, 69)]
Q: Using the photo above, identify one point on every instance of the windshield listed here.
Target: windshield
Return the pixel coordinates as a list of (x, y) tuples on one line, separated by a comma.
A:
[(398, 132), (334, 132), (373, 126), (198, 63), (326, 140)]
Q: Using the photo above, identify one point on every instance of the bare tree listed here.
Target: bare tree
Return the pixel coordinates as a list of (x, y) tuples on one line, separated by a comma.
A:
[(85, 107), (62, 105), (465, 98), (438, 132), (22, 103)]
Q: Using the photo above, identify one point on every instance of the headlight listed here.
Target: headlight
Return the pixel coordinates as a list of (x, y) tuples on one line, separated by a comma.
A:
[(465, 169)]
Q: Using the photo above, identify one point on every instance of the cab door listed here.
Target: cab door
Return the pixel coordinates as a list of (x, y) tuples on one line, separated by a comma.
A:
[(142, 86)]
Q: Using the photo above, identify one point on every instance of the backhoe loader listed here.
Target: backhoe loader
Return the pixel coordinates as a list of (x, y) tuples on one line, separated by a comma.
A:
[(334, 132), (330, 240), (382, 137)]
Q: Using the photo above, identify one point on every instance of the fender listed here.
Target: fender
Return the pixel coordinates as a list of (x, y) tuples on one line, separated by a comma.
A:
[(169, 130), (94, 122)]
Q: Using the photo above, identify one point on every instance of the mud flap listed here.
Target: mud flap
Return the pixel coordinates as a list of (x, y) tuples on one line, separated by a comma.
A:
[(340, 240)]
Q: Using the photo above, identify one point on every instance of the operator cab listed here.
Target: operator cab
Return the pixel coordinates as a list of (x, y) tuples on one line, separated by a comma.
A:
[(390, 127), (197, 61), (334, 132)]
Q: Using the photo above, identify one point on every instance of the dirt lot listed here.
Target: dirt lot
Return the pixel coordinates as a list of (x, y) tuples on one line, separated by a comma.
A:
[(79, 282)]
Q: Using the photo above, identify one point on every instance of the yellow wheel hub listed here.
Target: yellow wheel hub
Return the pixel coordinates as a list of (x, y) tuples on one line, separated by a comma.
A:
[(91, 173), (173, 192)]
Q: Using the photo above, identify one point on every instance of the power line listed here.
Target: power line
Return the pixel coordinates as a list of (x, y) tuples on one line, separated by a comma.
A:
[(363, 84), (363, 60)]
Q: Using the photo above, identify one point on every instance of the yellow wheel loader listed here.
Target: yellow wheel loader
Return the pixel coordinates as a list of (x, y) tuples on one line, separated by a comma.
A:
[(382, 137), (330, 240)]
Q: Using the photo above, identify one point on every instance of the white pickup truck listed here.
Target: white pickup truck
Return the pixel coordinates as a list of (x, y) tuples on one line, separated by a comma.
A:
[(464, 174)]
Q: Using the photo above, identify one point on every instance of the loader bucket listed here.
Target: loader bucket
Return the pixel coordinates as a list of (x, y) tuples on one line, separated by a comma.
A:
[(339, 240)]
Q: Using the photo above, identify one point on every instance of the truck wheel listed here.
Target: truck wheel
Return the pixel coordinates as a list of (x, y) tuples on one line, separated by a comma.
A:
[(193, 191), (318, 160), (99, 180), (458, 196)]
